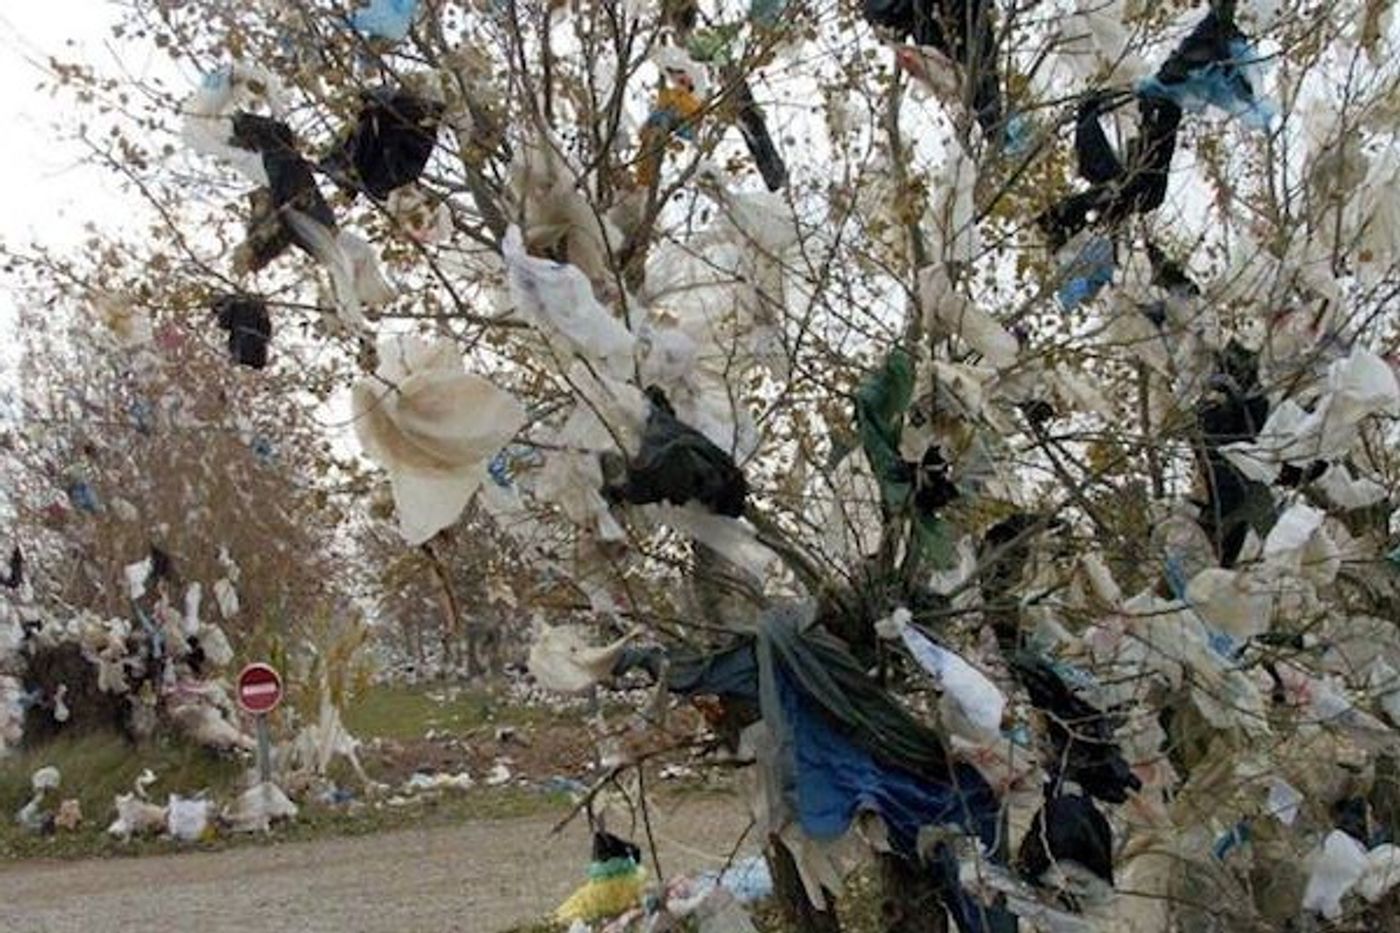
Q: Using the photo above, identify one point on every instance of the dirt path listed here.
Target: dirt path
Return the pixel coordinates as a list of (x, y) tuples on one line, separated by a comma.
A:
[(475, 877)]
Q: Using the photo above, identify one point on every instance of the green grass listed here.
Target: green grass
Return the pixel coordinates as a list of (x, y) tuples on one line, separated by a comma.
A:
[(404, 713)]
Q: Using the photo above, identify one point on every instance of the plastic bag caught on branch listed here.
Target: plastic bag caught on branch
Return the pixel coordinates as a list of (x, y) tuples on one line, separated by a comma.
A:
[(433, 427), (562, 659), (558, 299), (678, 464), (249, 328), (1216, 65), (207, 127), (389, 144), (385, 19)]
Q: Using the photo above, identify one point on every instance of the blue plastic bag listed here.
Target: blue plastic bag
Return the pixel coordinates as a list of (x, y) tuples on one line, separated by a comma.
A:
[(1088, 273), (386, 19)]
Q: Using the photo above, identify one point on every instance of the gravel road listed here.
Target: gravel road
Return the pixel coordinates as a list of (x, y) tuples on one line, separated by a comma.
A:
[(477, 877)]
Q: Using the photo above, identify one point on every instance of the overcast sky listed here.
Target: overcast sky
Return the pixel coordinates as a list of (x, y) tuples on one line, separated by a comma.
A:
[(49, 193)]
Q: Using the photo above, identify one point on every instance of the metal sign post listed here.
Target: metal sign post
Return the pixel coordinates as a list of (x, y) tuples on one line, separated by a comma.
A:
[(259, 692)]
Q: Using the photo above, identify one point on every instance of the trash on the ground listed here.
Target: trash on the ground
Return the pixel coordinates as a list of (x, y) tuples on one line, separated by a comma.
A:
[(137, 816), (69, 816), (187, 818), (34, 817), (258, 808), (421, 781), (615, 883)]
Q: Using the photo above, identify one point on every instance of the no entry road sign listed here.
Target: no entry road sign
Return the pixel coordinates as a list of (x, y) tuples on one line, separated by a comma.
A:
[(259, 689)]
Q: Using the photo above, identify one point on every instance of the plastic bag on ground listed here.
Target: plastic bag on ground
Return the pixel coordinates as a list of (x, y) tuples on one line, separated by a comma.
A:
[(136, 817), (187, 819), (258, 807)]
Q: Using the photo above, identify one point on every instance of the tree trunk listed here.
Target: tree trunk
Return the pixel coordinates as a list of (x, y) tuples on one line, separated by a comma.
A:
[(911, 901), (798, 911)]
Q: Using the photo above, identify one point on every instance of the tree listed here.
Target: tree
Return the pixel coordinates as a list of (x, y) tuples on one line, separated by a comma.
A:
[(643, 247)]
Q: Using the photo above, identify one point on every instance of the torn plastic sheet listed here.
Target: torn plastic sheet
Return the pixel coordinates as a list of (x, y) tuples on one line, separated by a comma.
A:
[(433, 427), (558, 299)]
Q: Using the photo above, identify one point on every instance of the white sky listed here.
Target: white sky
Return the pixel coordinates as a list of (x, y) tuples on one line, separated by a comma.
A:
[(49, 193)]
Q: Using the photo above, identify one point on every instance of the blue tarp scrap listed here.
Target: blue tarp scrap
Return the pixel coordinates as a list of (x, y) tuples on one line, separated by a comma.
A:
[(836, 779)]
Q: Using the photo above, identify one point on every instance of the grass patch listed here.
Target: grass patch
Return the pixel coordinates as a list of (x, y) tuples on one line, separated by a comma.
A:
[(95, 768), (315, 821), (404, 713)]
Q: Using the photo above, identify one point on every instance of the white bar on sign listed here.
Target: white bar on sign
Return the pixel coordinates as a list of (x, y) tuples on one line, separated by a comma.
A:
[(258, 690)]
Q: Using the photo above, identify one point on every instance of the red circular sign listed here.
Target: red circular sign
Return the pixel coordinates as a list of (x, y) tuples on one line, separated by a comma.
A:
[(259, 688)]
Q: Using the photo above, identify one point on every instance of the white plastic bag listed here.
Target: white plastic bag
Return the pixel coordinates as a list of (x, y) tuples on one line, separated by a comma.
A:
[(433, 427), (971, 703), (558, 299), (258, 807), (187, 819), (563, 660)]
